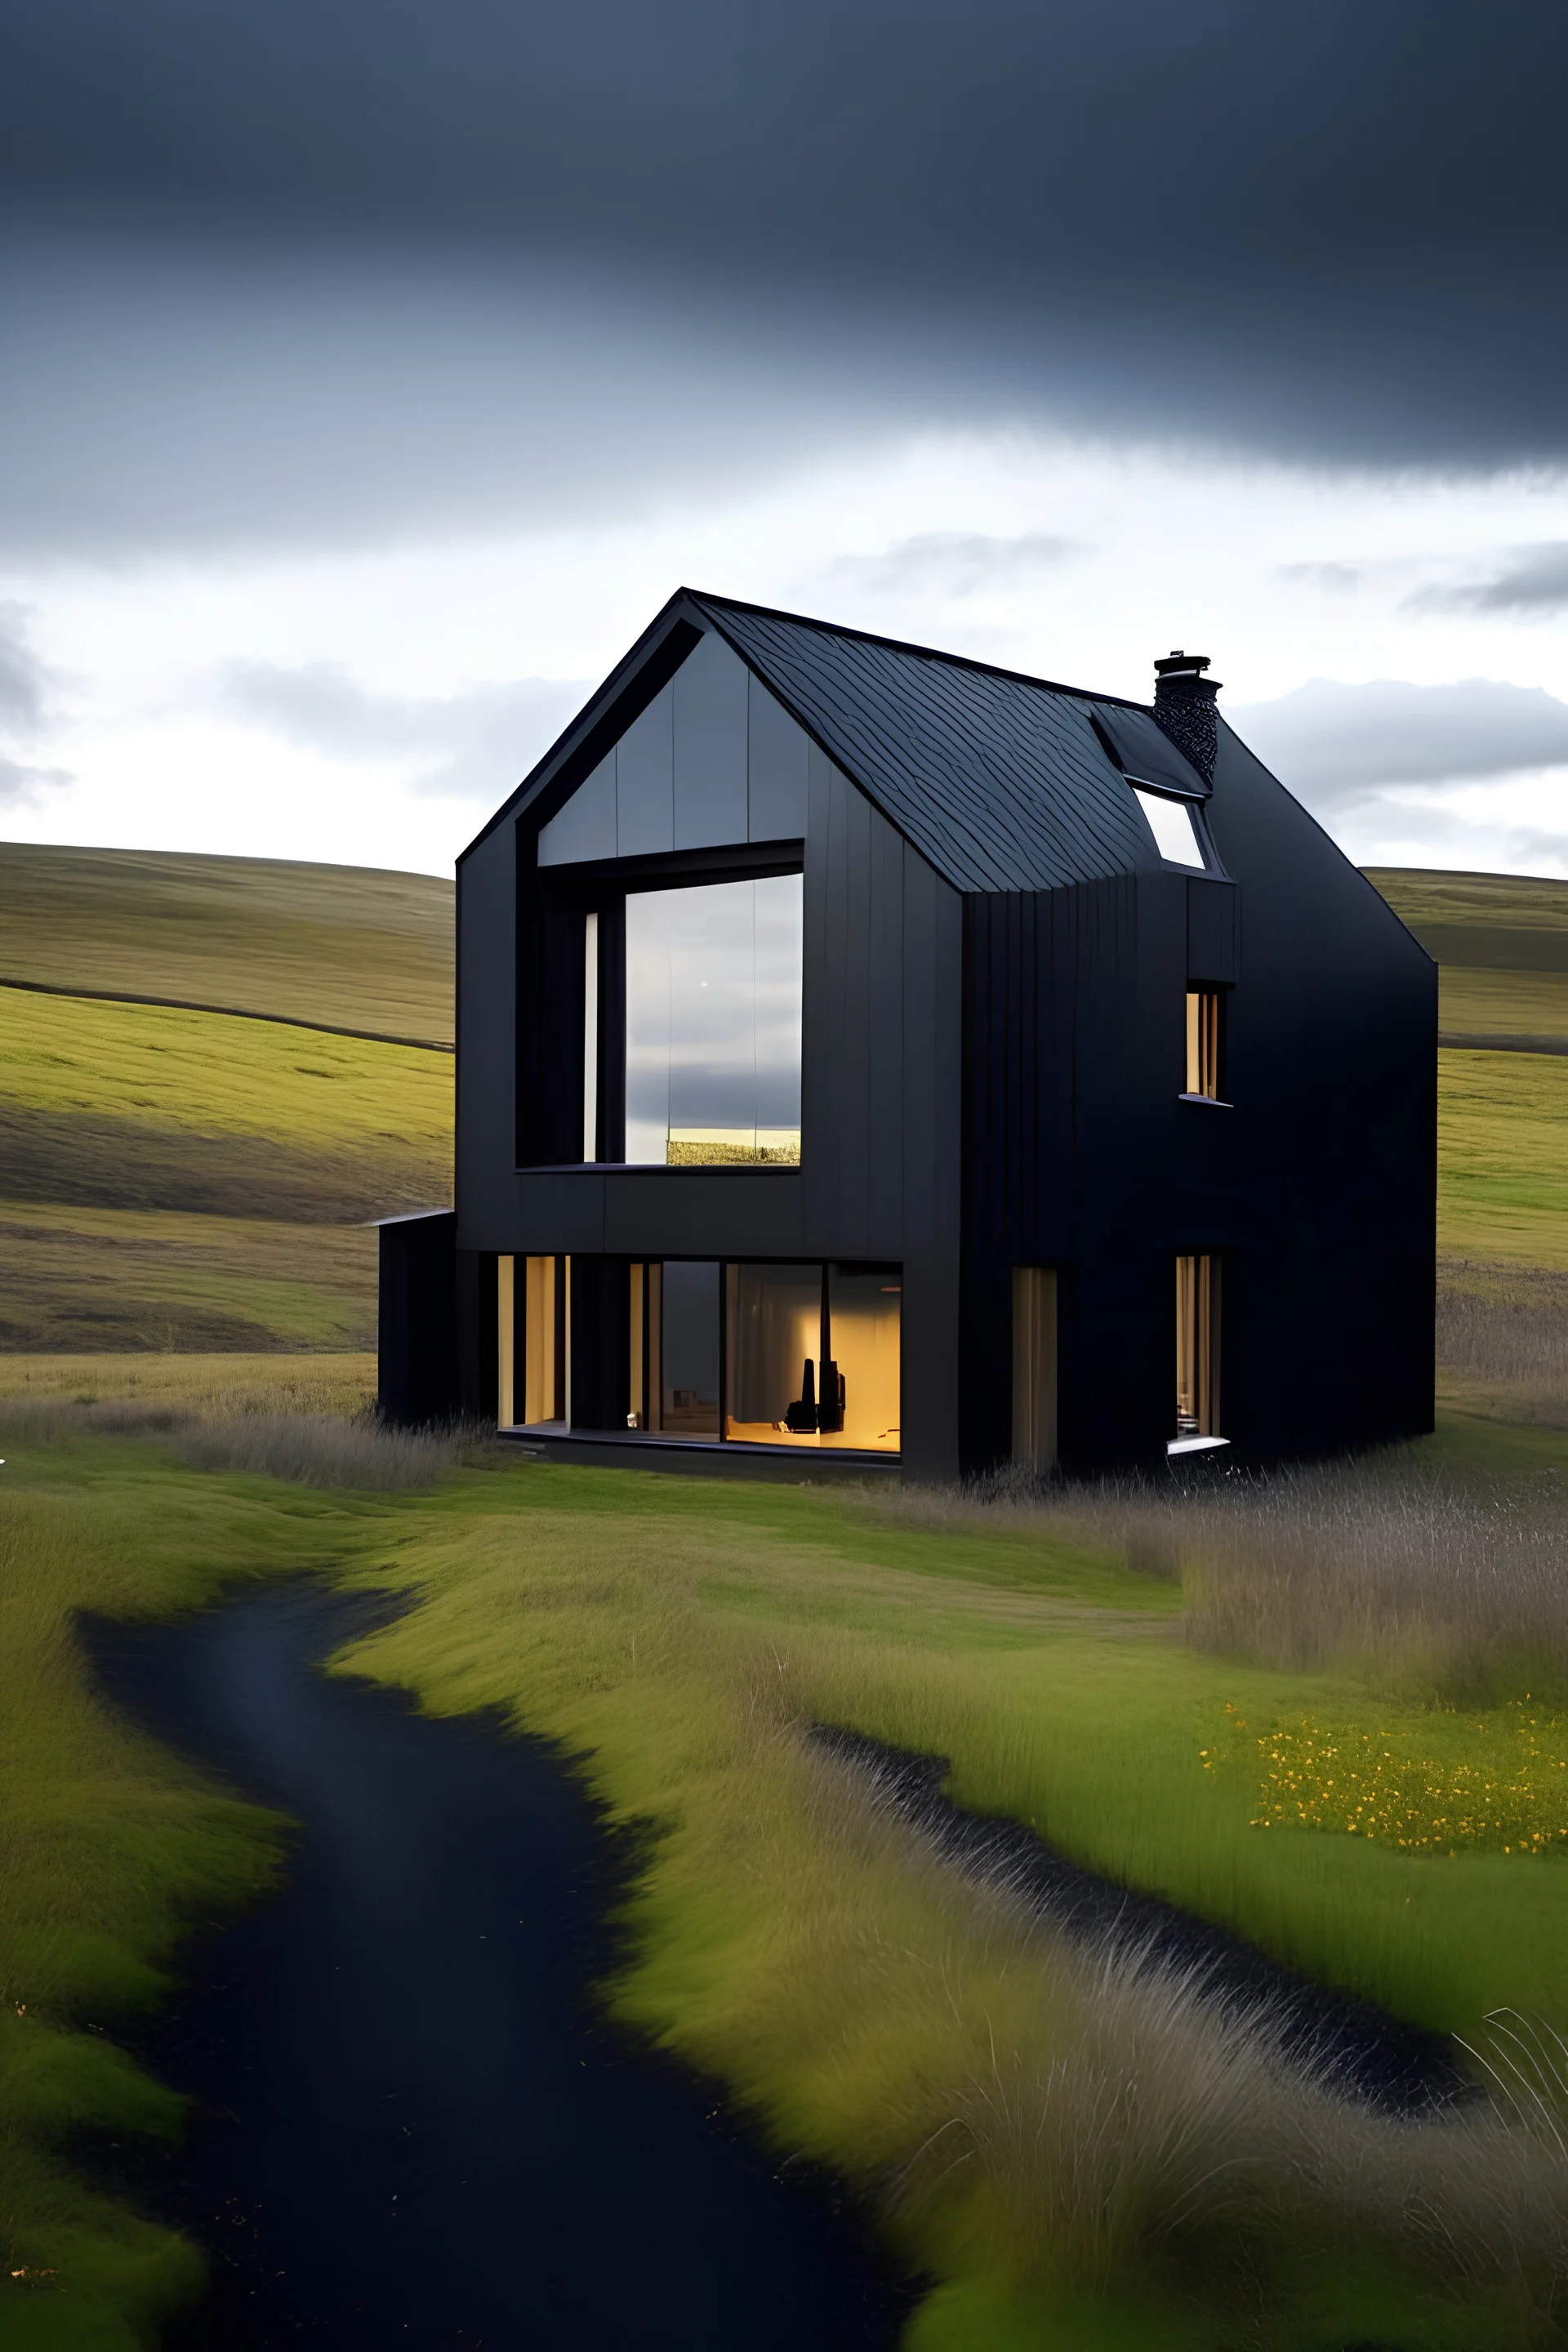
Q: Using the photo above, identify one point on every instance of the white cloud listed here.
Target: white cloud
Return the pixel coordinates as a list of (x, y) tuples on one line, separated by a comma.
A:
[(459, 744), (375, 706), (1336, 743), (954, 563)]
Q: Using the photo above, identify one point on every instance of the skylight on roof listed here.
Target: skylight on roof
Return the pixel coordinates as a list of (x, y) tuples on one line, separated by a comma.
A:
[(1173, 826)]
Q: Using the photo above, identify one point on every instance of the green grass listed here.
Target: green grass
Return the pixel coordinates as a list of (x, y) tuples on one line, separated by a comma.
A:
[(1502, 1157), (118, 1106), (354, 947), (112, 1849), (337, 1384), (855, 1998), (1501, 945), (75, 1280)]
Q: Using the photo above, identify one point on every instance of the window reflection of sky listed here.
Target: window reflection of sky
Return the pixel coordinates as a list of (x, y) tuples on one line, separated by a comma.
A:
[(713, 1022)]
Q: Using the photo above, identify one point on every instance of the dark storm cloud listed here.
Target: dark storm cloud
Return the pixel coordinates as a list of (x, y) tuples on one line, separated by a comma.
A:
[(172, 395), (1531, 580), (478, 743), (953, 563), (1328, 230), (1337, 745)]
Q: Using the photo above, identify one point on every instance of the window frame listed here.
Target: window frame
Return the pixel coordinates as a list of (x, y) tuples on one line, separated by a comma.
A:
[(1196, 808), (601, 887), (1213, 1049)]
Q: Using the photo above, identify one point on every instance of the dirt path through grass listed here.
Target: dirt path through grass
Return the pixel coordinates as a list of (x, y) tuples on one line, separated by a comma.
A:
[(415, 2127)]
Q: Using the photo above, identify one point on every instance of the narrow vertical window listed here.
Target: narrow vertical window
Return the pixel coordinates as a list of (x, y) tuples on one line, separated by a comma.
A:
[(590, 1037), (506, 1342), (1035, 1368), (544, 1337), (1197, 1348), (637, 1398), (1203, 1043)]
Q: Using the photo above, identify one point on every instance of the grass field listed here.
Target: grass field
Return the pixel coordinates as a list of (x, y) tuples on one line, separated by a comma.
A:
[(197, 1181), (237, 1156), (353, 947), (1031, 2124), (75, 1280), (1501, 945), (1502, 1157)]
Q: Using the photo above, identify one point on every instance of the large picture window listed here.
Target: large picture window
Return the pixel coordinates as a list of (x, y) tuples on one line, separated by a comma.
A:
[(714, 1024), (813, 1356), (701, 1352)]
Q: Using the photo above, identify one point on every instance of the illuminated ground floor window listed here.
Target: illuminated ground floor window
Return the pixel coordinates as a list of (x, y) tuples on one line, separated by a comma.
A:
[(813, 1355), (1197, 1349), (790, 1355)]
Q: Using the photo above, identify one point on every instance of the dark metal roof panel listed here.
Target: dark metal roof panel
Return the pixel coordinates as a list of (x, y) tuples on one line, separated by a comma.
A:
[(999, 781)]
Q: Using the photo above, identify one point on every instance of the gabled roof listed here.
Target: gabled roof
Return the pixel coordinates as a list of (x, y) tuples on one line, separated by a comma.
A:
[(1001, 781), (998, 779)]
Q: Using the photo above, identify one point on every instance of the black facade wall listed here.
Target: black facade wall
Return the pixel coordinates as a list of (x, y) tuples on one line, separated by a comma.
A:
[(882, 996), (487, 1034), (880, 1078), (1067, 1159), (1332, 1050), (478, 1335), (1316, 1191), (416, 1319)]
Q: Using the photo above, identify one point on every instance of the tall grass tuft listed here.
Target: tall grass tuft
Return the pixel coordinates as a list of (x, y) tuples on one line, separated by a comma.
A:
[(1433, 1588), (1132, 2117), (1504, 1331), (311, 1451), (308, 1449)]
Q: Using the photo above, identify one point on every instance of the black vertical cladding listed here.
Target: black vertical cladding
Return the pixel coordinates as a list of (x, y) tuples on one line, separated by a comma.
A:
[(1315, 1190), (1327, 1322), (1073, 1002), (882, 988), (416, 1319), (486, 1060), (551, 975), (1213, 925), (478, 1334), (929, 979)]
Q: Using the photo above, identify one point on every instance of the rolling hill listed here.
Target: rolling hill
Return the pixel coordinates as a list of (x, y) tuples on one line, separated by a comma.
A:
[(176, 1178), (347, 946), (1500, 942)]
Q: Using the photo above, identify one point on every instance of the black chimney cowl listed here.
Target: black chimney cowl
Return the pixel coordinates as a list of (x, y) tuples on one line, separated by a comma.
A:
[(1184, 708)]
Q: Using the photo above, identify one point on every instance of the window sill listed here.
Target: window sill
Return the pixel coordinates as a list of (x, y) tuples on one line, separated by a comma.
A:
[(1212, 1102), (657, 1168), (1197, 1445), (665, 1441)]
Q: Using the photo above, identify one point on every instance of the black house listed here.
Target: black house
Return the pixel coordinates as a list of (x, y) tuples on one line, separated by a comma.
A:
[(880, 1057)]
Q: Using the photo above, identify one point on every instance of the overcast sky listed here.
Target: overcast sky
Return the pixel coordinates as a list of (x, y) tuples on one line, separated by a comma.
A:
[(371, 374)]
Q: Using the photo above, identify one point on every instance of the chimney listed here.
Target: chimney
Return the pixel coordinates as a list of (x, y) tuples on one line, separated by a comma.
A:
[(1184, 708)]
